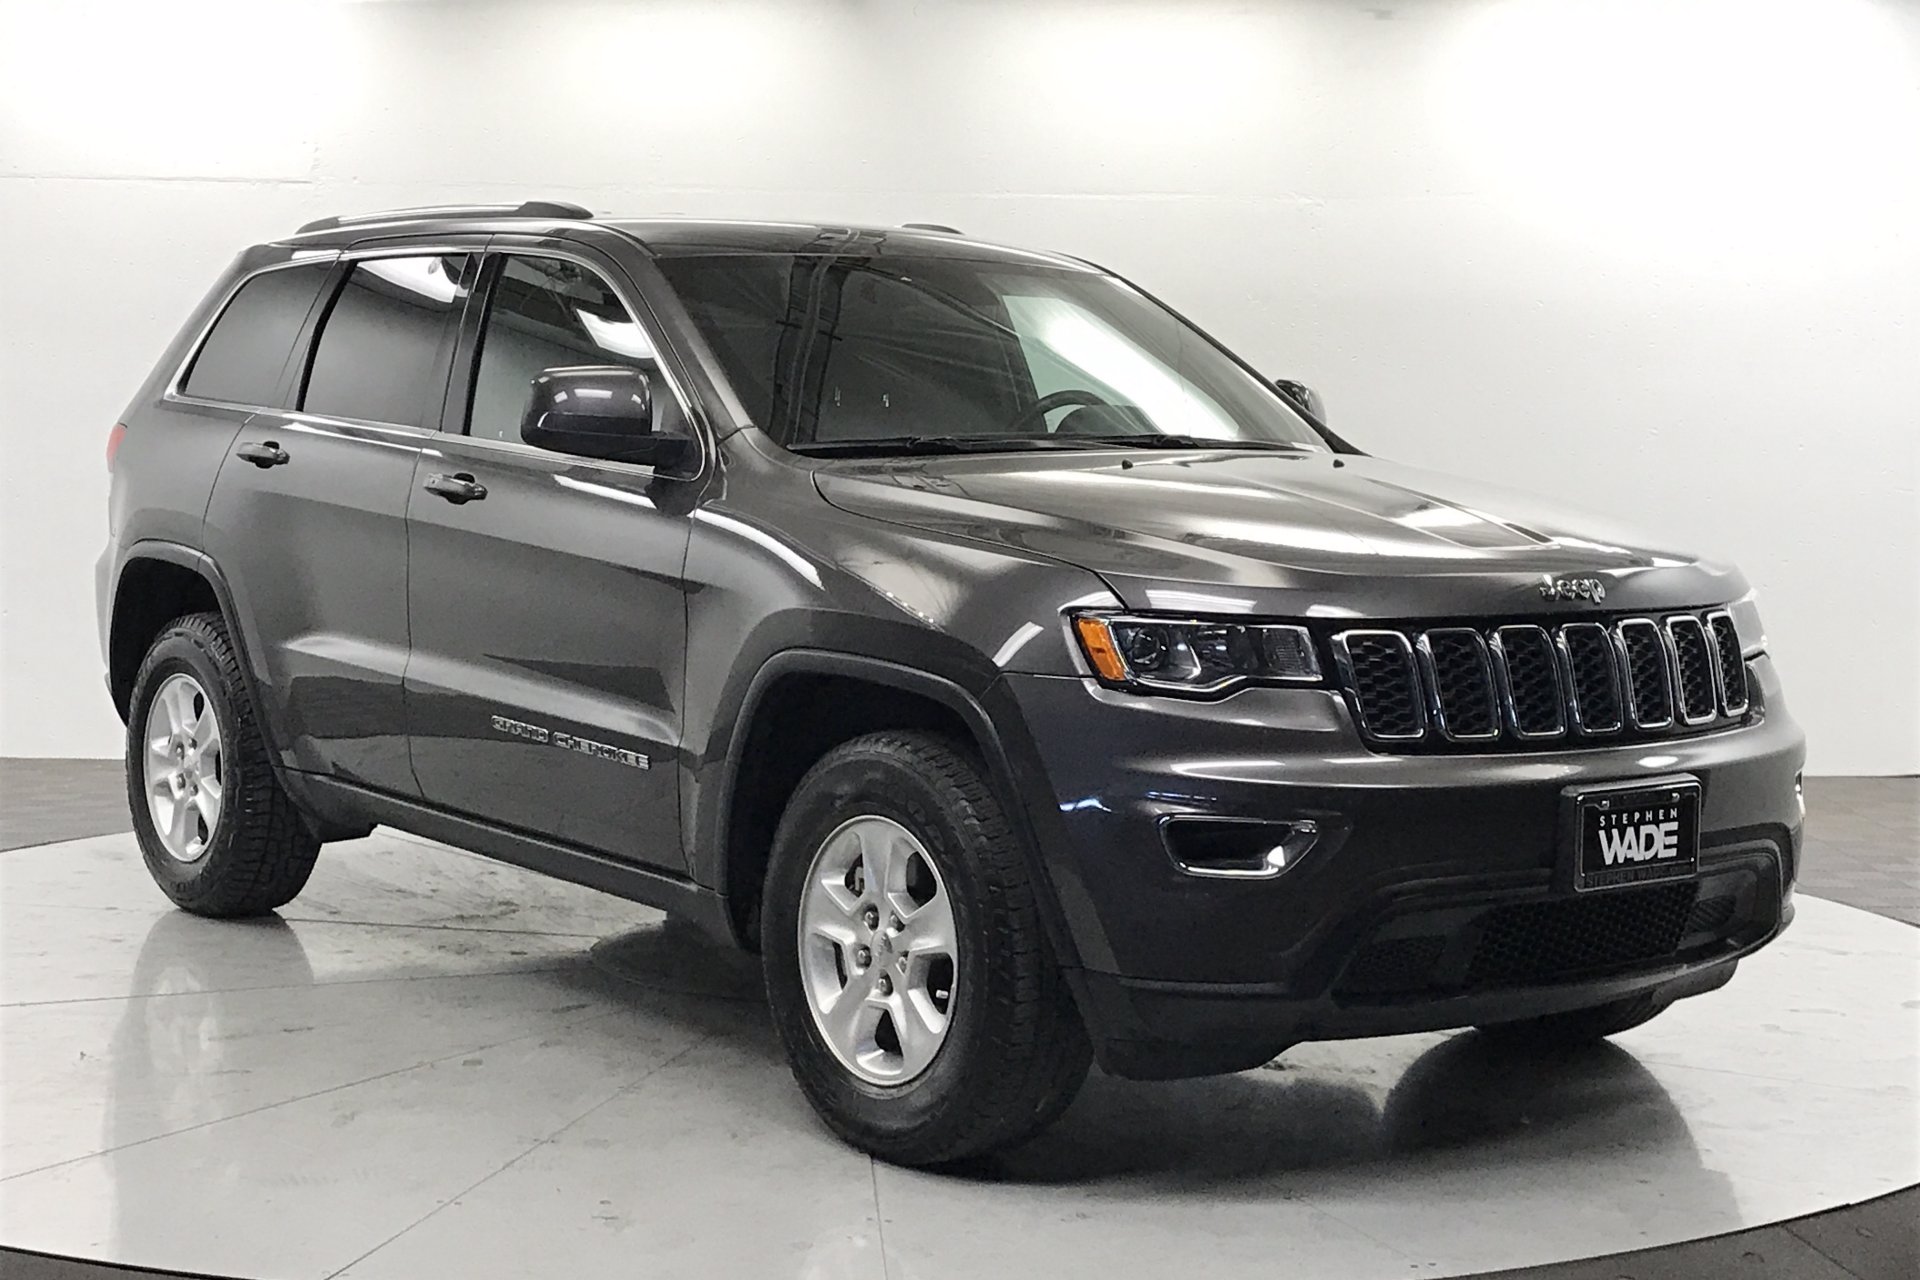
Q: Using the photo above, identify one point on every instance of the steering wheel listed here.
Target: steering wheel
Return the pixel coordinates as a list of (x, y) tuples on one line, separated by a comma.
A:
[(1054, 400)]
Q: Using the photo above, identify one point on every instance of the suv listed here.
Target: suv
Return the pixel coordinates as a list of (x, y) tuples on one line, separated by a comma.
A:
[(1027, 679)]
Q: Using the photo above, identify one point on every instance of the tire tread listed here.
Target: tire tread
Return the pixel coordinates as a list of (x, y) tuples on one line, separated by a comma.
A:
[(269, 849)]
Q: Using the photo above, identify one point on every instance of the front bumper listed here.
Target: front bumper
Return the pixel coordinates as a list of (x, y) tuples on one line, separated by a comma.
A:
[(1179, 974)]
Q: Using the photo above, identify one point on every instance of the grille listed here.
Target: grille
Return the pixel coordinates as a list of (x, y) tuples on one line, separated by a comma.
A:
[(1394, 964), (1536, 941), (1693, 664), (1649, 676), (1711, 915), (1732, 666), (1521, 684), (1462, 682), (1533, 682), (1378, 667), (1595, 670)]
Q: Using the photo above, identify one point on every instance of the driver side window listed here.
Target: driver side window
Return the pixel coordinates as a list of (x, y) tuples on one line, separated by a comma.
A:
[(545, 313)]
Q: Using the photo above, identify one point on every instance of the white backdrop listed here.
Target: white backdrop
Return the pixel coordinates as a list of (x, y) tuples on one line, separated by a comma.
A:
[(1661, 256)]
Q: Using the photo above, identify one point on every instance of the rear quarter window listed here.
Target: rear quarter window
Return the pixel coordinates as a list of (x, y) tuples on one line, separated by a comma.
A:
[(244, 354)]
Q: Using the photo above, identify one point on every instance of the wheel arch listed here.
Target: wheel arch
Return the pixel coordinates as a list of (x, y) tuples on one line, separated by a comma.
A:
[(834, 697), (156, 583)]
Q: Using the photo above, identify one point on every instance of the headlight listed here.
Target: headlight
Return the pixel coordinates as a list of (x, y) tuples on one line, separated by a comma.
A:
[(1746, 621), (1192, 655)]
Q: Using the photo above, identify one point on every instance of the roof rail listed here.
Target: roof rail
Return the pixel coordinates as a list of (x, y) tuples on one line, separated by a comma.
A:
[(530, 209), (931, 226)]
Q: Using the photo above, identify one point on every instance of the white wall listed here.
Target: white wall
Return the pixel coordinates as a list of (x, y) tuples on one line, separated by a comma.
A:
[(1657, 255)]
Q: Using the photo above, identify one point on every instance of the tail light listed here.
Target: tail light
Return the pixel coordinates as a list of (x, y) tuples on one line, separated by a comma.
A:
[(114, 437)]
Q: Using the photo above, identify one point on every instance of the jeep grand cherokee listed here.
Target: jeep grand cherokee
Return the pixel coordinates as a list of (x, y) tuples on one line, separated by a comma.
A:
[(1024, 676)]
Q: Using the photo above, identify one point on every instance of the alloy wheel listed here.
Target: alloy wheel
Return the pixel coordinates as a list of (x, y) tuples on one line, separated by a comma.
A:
[(185, 782), (879, 955)]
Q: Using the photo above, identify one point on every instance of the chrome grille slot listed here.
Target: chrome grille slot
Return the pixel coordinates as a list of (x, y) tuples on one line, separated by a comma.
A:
[(1523, 686), (1531, 685), (1693, 669), (1460, 679), (1593, 668), (1378, 670), (1649, 675), (1732, 664)]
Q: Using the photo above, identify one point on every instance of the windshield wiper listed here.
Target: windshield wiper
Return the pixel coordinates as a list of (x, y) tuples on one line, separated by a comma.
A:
[(884, 445), (1155, 440)]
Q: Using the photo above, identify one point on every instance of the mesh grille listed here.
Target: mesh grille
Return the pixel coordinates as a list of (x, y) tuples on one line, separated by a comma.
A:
[(1596, 681), (1524, 686), (1533, 678), (1711, 915), (1463, 683), (1648, 681), (1379, 670), (1538, 941), (1733, 666), (1694, 667), (1396, 964)]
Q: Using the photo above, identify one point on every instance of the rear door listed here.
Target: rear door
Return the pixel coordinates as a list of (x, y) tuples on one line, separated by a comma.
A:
[(308, 518), (548, 592)]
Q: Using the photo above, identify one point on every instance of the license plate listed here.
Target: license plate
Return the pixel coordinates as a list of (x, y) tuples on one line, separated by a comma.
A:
[(1633, 836)]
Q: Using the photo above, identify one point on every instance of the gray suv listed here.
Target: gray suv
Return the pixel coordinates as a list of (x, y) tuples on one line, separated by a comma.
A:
[(1029, 680)]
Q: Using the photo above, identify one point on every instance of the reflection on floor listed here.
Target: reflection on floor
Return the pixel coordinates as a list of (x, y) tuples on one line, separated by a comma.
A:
[(435, 1064)]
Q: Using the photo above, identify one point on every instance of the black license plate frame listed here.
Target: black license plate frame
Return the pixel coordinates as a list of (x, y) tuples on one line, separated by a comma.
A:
[(1631, 834)]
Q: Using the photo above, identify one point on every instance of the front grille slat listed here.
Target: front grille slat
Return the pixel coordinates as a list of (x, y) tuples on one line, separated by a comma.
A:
[(1378, 669), (1460, 676), (1594, 669), (1531, 682), (1693, 669), (1520, 685), (1649, 677), (1732, 663)]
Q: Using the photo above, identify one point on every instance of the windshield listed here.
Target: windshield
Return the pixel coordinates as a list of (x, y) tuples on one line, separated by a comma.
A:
[(836, 353)]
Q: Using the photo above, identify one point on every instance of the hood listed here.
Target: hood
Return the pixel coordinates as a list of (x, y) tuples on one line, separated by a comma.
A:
[(1301, 535)]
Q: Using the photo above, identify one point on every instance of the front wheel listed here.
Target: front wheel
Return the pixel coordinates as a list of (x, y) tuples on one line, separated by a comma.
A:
[(907, 967)]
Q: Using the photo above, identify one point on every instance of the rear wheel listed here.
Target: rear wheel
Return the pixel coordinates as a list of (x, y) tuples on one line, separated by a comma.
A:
[(219, 835), (908, 971), (1577, 1026)]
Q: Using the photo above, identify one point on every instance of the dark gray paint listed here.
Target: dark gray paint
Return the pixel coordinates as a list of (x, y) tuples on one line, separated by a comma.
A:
[(650, 613)]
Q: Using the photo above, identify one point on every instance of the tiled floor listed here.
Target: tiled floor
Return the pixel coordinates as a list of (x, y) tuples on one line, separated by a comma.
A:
[(379, 919), (1863, 844)]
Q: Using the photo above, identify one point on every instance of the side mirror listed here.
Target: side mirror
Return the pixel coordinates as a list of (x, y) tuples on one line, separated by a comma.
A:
[(1304, 398), (608, 412)]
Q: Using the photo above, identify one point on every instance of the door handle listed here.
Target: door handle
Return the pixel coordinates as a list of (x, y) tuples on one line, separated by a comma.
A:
[(264, 454), (457, 488)]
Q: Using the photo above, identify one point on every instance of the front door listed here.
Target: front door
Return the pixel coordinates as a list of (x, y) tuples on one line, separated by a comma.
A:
[(547, 597), (308, 517)]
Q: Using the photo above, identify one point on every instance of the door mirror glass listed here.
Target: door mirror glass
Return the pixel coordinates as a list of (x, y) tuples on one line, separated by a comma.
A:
[(1304, 398), (608, 412)]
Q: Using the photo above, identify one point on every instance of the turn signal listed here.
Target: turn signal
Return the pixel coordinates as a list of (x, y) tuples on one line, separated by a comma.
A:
[(1097, 639), (114, 437)]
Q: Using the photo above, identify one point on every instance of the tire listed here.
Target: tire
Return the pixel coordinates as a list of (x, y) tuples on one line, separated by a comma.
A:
[(1577, 1027), (1014, 1051), (259, 850)]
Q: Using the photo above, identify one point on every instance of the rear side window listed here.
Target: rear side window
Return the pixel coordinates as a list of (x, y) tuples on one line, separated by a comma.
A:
[(381, 352), (242, 357)]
